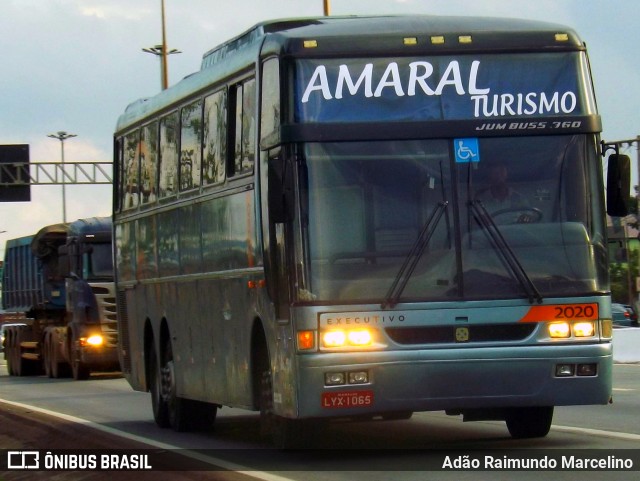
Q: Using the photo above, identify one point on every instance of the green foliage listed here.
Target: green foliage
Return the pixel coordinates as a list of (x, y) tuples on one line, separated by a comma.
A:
[(623, 278)]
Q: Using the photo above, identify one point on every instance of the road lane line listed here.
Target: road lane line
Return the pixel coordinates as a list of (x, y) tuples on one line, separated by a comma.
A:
[(597, 432), (141, 439)]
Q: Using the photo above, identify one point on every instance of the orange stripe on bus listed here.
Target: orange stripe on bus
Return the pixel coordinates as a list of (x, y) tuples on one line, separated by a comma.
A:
[(557, 312)]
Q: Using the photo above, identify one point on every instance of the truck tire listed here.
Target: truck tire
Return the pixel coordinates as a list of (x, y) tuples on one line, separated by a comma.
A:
[(8, 354), (47, 351), (58, 369), (23, 367), (79, 370)]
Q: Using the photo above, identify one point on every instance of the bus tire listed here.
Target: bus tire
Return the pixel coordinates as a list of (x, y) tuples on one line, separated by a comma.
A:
[(181, 417), (284, 433), (529, 422), (158, 400)]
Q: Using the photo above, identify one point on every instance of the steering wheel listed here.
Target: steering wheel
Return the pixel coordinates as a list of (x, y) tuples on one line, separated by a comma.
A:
[(528, 215)]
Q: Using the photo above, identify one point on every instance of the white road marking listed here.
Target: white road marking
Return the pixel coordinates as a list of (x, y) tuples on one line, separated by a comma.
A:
[(141, 439)]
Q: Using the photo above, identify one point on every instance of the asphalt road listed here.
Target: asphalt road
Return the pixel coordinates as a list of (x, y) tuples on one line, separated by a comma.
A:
[(107, 409)]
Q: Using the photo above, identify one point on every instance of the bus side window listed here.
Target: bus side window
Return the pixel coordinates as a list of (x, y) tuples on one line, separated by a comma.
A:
[(119, 175), (270, 104), (131, 172), (149, 163), (190, 145), (215, 138), (243, 130), (169, 155)]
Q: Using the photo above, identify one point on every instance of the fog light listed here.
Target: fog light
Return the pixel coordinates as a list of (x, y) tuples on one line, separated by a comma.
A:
[(584, 329), (565, 370), (334, 378), (559, 329), (359, 377), (587, 369)]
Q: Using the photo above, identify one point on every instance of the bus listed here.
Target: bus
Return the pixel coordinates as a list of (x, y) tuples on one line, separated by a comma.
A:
[(358, 217)]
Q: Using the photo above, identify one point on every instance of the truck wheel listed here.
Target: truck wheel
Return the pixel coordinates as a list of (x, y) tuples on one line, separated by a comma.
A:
[(79, 370), (58, 369), (158, 400), (47, 350), (8, 354), (23, 367)]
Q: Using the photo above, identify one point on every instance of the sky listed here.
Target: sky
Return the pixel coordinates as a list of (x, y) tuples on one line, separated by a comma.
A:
[(74, 65)]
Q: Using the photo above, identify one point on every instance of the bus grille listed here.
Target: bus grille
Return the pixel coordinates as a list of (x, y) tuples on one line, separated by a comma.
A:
[(447, 334)]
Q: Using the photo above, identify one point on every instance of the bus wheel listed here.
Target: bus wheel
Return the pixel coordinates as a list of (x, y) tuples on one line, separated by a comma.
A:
[(284, 433), (158, 401), (529, 422), (181, 412)]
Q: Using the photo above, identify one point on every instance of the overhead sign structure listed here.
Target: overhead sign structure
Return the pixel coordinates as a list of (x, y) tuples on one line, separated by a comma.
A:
[(14, 169)]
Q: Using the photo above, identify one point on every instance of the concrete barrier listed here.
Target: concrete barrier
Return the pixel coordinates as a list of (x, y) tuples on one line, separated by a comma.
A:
[(626, 344)]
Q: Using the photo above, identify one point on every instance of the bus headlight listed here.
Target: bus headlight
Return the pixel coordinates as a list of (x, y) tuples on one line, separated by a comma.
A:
[(563, 330), (559, 330), (344, 338), (334, 339), (584, 329), (361, 337)]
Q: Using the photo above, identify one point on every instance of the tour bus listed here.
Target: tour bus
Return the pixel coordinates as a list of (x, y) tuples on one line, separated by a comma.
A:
[(366, 217)]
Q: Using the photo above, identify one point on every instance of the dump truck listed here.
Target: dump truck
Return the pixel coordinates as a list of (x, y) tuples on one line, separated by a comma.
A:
[(60, 281)]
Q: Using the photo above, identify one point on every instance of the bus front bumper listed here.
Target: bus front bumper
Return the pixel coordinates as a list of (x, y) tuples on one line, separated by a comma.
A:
[(456, 379)]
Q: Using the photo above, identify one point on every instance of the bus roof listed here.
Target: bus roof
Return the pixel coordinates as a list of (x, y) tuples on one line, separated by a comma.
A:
[(358, 36)]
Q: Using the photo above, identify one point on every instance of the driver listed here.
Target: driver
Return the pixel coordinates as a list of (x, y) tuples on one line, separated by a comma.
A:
[(499, 196)]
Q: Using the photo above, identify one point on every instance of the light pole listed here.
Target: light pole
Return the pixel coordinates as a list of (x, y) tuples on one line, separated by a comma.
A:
[(62, 136), (162, 52), (327, 8)]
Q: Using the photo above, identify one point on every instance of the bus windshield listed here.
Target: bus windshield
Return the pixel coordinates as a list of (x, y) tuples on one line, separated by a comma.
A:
[(521, 215)]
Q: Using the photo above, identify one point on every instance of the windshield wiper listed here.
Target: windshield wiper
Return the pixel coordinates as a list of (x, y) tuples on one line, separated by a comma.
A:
[(493, 232), (412, 259)]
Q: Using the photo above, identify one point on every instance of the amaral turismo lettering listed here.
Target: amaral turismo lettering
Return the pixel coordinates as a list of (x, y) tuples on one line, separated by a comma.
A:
[(419, 78)]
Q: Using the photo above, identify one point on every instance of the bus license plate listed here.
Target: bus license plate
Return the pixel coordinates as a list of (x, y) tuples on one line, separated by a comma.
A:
[(348, 399)]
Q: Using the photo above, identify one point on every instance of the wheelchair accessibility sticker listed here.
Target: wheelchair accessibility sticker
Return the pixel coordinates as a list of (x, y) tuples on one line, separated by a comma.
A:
[(467, 150)]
